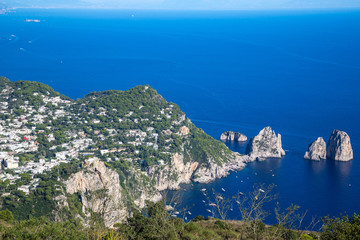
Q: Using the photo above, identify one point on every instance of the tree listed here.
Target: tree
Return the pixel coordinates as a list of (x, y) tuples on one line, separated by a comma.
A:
[(251, 205), (344, 228)]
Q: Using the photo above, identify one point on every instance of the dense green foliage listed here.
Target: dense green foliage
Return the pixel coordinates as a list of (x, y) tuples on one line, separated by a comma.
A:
[(156, 224), (201, 147), (344, 228)]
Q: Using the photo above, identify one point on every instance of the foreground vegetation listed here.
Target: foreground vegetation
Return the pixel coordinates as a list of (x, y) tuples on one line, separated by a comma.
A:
[(156, 223)]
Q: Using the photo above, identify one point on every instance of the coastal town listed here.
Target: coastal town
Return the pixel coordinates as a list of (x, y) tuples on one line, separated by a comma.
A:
[(33, 142)]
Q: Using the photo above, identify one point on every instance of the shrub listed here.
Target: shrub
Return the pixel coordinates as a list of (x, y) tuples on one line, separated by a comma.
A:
[(346, 228), (198, 218), (7, 216)]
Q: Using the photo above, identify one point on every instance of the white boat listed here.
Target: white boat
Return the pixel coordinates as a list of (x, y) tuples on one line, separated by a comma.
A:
[(222, 189), (208, 210), (260, 190), (203, 190), (189, 212), (32, 20)]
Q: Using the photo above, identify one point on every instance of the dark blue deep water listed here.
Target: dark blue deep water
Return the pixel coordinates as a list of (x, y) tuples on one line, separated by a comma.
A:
[(298, 72)]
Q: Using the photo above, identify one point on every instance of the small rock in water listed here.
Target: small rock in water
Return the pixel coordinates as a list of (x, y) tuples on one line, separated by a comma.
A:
[(233, 136)]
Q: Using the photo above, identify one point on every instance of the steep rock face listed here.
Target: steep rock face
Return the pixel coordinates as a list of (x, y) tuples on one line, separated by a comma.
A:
[(339, 146), (208, 173), (316, 150), (233, 136), (171, 176), (265, 145), (101, 192)]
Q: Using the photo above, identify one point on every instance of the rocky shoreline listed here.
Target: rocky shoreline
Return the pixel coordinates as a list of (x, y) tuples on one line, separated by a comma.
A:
[(267, 144)]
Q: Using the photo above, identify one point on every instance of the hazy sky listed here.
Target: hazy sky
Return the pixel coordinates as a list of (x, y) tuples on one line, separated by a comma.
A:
[(188, 4)]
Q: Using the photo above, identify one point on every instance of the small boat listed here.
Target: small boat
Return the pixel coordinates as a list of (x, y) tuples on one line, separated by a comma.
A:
[(185, 218), (203, 201), (189, 212), (203, 190), (176, 213), (222, 189), (212, 205), (238, 202), (208, 210), (240, 193), (260, 190)]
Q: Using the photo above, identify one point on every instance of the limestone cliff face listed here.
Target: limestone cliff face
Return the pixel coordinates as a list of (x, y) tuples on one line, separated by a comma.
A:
[(208, 173), (233, 136), (101, 192), (339, 146), (265, 145), (316, 150), (171, 176)]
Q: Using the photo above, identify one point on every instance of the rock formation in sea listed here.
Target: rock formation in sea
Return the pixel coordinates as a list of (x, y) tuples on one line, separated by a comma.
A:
[(316, 150), (339, 146), (265, 145), (233, 136)]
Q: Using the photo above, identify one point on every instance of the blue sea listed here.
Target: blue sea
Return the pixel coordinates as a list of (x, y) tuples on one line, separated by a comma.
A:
[(296, 71)]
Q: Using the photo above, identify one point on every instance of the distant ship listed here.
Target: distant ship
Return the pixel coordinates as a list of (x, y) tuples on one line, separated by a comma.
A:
[(32, 20)]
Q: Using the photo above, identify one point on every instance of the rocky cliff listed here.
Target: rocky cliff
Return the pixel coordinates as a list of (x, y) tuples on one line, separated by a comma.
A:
[(316, 150), (101, 192), (233, 136), (339, 146), (178, 172), (265, 145), (206, 173)]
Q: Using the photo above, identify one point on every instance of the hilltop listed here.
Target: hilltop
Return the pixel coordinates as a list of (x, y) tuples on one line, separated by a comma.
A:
[(104, 154)]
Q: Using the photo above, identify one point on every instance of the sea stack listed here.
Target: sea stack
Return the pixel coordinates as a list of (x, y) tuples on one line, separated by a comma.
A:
[(233, 136), (339, 146), (316, 150), (265, 145)]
